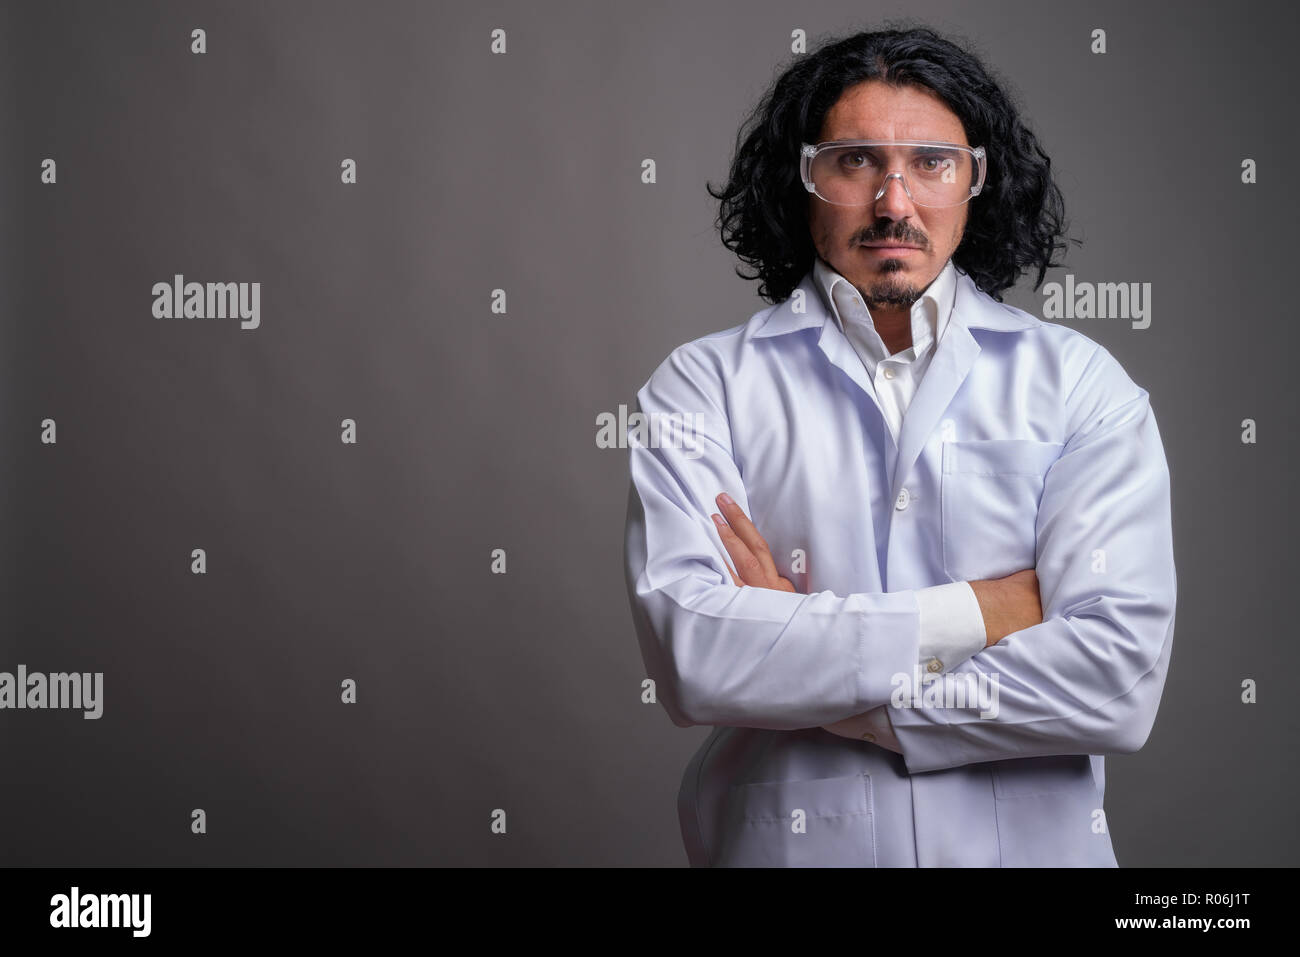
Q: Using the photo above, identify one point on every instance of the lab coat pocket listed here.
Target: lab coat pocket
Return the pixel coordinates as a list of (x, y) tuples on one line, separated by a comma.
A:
[(1058, 772), (989, 505), (824, 822), (1049, 813)]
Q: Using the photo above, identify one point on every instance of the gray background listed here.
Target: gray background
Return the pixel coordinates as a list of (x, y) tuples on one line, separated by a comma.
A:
[(477, 431)]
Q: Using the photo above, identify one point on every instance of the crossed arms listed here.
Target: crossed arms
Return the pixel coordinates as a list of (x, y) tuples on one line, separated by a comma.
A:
[(1086, 679)]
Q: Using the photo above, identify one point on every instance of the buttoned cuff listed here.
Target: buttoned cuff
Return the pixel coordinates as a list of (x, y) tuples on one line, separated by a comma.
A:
[(874, 727), (952, 626)]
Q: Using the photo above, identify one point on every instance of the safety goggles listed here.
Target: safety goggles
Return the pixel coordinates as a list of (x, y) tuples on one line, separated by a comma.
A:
[(857, 172)]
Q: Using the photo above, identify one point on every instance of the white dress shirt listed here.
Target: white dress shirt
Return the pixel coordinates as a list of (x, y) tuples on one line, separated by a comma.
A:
[(952, 625)]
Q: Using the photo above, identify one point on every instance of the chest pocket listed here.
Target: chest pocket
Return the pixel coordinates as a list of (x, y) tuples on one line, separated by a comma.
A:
[(989, 501)]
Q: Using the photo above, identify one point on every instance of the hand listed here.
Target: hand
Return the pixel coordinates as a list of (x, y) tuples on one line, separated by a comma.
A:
[(747, 548), (1008, 604)]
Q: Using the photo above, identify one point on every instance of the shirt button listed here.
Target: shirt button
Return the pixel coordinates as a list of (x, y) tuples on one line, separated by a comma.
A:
[(868, 736), (889, 373), (934, 666), (904, 497)]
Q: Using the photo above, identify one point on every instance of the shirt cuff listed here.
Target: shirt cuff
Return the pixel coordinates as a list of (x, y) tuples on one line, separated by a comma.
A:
[(872, 726), (952, 626)]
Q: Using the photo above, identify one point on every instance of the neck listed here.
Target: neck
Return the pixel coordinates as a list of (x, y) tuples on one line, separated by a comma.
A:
[(894, 326)]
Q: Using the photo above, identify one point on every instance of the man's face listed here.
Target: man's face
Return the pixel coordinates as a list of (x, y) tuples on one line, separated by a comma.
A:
[(888, 278)]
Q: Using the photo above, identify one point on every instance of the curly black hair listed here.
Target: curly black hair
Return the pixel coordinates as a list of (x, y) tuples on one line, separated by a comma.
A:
[(1015, 223)]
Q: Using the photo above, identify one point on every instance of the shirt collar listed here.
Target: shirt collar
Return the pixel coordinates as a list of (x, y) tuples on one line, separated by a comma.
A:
[(972, 308), (930, 313)]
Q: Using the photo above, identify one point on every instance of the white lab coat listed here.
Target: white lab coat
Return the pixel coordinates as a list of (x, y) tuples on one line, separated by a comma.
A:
[(1026, 445)]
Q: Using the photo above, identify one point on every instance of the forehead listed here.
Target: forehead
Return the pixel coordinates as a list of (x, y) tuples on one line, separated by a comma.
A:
[(876, 110)]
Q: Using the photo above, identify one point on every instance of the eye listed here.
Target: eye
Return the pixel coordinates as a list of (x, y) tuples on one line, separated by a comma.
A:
[(855, 159)]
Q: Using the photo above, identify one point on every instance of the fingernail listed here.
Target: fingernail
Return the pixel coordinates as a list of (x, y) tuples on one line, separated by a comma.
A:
[(725, 499), (717, 519)]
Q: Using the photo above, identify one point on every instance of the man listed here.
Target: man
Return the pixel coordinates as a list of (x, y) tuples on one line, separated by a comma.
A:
[(962, 596)]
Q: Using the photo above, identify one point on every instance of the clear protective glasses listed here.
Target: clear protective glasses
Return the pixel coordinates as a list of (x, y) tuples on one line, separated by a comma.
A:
[(857, 172)]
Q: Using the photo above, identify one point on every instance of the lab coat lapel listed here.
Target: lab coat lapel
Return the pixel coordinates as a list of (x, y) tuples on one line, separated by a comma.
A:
[(806, 309), (951, 363), (949, 366), (841, 354)]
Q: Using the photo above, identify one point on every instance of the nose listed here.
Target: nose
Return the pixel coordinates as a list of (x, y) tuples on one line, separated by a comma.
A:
[(892, 200)]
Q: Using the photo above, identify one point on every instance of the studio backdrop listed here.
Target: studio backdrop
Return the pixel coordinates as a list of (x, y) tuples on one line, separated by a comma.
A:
[(337, 544)]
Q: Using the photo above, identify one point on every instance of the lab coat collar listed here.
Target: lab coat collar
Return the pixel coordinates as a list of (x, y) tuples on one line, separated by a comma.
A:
[(972, 308), (952, 360)]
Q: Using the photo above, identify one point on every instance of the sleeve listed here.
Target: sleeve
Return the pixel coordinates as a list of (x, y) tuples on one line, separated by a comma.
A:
[(721, 654), (1088, 678), (952, 629)]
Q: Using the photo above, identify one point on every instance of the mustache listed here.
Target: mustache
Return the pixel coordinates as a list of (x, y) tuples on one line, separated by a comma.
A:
[(905, 237)]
